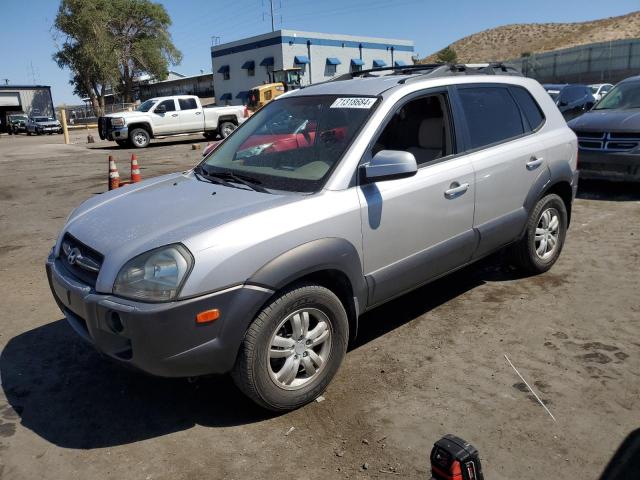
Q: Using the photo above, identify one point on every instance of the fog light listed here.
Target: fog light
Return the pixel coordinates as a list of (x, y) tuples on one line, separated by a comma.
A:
[(114, 322)]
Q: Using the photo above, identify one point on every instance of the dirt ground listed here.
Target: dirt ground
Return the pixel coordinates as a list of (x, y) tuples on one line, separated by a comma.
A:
[(429, 363)]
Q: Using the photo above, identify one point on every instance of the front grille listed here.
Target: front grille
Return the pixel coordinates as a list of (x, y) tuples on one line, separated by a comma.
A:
[(608, 141), (80, 260)]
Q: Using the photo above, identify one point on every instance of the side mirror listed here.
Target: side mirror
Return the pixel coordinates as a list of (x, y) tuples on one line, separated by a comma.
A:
[(389, 165), (160, 109)]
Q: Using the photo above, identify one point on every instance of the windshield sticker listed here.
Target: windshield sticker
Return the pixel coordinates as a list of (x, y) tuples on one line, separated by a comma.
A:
[(354, 102)]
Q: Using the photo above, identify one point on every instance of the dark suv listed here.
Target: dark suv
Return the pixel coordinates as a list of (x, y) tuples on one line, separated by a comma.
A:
[(572, 100)]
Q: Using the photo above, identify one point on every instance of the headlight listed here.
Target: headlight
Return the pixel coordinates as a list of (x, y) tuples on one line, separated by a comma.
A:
[(155, 276), (117, 122)]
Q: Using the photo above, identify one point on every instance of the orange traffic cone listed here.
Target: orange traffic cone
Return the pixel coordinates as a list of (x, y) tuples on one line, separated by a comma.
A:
[(114, 176), (135, 170)]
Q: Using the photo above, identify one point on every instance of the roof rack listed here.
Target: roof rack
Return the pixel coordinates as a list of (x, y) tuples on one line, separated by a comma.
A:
[(431, 70)]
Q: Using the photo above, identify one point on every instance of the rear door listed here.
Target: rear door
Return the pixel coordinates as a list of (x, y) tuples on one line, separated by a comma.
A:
[(191, 117), (167, 122), (508, 158)]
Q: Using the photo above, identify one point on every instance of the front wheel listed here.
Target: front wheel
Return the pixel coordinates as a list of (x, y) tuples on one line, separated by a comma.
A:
[(226, 129), (542, 243), (139, 137), (293, 348)]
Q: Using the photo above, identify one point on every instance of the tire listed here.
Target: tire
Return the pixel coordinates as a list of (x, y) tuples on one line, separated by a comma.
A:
[(122, 143), (263, 378), (139, 138), (543, 240), (226, 128)]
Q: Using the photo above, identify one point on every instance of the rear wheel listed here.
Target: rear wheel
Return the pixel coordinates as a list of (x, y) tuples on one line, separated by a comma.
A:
[(293, 348), (226, 129), (542, 243), (139, 138)]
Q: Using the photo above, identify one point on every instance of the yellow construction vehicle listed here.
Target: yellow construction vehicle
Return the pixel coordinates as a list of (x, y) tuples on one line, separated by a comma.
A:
[(281, 81)]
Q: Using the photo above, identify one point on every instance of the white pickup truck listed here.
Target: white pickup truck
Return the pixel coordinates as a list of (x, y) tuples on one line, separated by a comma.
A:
[(167, 116)]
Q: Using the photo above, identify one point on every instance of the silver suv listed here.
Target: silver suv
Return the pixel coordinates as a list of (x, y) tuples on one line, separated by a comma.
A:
[(327, 202)]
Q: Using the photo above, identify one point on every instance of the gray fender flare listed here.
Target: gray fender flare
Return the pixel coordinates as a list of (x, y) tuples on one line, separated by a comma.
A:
[(315, 256)]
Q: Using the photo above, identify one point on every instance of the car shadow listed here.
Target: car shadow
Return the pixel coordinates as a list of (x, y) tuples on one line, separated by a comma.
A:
[(112, 146), (70, 395), (610, 191)]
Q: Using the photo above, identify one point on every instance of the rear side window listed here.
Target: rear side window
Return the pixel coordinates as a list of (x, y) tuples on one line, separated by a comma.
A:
[(491, 114), (187, 103), (530, 108)]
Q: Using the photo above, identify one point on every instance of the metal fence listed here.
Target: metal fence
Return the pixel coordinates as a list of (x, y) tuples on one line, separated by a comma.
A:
[(594, 63)]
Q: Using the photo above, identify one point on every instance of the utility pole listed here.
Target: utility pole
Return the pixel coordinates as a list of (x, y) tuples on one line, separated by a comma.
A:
[(273, 29)]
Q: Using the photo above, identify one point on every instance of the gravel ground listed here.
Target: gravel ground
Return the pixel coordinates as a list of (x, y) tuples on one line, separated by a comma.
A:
[(429, 363)]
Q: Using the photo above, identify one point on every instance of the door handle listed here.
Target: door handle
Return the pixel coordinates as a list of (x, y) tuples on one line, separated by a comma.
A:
[(198, 113), (455, 190), (534, 163), (174, 115)]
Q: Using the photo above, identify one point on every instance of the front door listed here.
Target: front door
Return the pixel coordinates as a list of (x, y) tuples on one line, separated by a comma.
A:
[(167, 122), (417, 228)]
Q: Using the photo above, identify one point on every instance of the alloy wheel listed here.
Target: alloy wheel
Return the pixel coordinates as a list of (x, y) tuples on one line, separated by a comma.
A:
[(547, 231)]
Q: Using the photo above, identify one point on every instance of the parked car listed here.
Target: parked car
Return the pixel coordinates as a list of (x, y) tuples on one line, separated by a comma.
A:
[(42, 125), (572, 100), (599, 90), (167, 116), (17, 123), (260, 261), (609, 135)]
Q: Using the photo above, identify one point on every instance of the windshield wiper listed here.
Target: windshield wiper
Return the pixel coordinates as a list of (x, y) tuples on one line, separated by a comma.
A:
[(204, 176), (246, 180)]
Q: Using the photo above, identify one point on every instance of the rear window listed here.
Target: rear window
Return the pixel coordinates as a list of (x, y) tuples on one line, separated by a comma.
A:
[(530, 108), (491, 114)]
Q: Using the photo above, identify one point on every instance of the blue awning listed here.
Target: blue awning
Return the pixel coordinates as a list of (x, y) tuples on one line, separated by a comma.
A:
[(379, 63), (357, 61), (249, 65), (223, 69), (399, 63), (301, 59), (226, 96), (267, 62), (333, 61), (243, 95)]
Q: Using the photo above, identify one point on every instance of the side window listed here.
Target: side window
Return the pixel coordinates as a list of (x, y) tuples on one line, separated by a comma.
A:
[(169, 105), (187, 103), (530, 108), (491, 114), (421, 127)]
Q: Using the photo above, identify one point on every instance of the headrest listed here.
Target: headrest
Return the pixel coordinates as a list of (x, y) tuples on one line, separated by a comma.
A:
[(430, 133)]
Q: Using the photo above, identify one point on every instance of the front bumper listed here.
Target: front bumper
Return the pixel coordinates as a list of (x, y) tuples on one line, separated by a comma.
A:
[(612, 166), (121, 133), (159, 338)]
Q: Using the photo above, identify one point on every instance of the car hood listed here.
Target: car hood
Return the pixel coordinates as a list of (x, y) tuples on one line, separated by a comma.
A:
[(128, 115), (608, 120), (136, 218)]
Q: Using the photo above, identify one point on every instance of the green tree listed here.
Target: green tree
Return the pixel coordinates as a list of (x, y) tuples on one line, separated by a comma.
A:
[(447, 55), (108, 43), (86, 49)]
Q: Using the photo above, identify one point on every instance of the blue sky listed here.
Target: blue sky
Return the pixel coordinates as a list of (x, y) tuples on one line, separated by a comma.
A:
[(27, 41)]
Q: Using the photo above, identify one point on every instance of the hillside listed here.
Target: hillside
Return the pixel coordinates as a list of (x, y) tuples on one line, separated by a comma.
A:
[(510, 41)]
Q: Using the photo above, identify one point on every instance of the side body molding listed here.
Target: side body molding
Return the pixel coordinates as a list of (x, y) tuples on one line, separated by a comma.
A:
[(323, 254)]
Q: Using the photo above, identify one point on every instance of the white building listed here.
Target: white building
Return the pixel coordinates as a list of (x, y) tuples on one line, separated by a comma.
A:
[(241, 65)]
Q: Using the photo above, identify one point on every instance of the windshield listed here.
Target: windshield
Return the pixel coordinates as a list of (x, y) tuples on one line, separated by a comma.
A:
[(146, 106), (621, 97), (292, 143), (17, 117)]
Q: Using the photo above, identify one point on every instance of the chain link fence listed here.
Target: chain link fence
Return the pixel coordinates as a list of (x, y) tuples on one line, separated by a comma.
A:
[(602, 62)]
